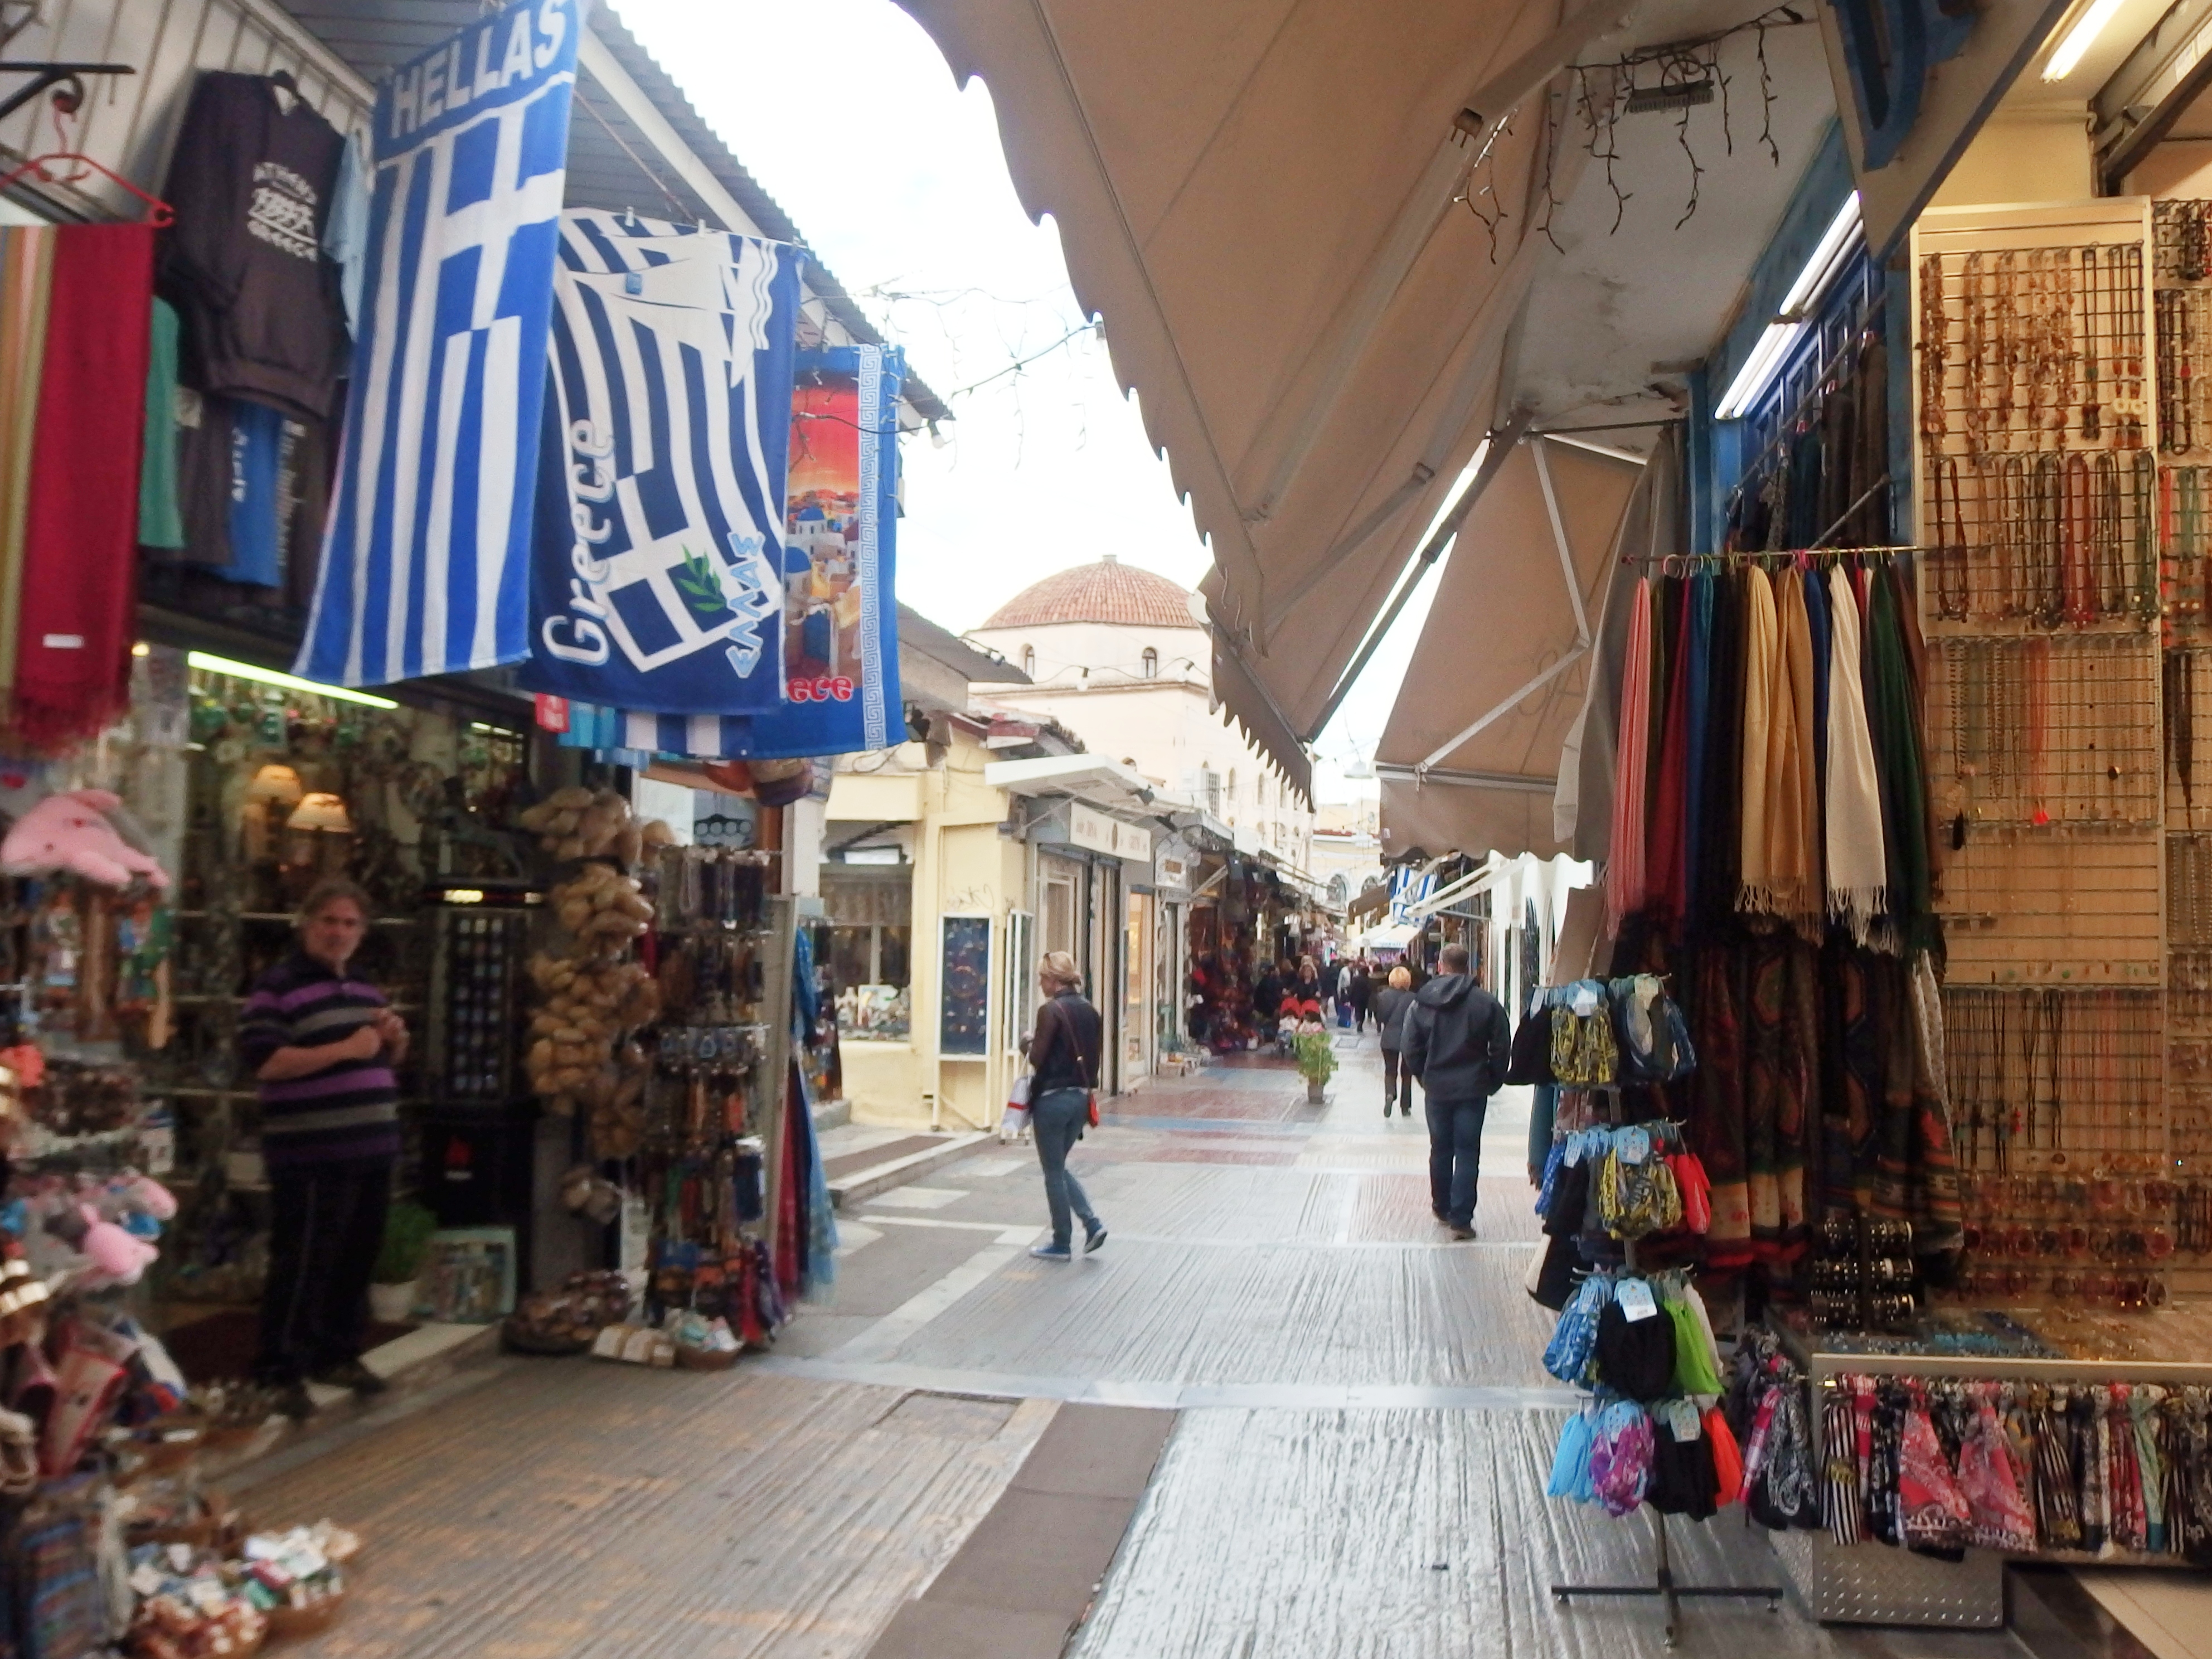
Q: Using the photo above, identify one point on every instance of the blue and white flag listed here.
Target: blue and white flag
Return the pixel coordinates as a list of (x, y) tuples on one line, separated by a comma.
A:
[(840, 586), (657, 575), (426, 556), (1407, 888)]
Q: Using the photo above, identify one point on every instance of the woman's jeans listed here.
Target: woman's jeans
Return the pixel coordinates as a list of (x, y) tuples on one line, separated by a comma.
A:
[(1057, 1119)]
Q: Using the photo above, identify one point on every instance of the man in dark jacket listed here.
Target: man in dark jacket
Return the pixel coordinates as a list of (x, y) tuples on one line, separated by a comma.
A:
[(1457, 1042)]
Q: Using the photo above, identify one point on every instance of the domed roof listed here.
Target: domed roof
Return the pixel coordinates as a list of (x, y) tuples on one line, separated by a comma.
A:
[(1107, 592)]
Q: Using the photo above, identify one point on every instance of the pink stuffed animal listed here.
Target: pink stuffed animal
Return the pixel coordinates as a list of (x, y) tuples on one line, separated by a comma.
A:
[(71, 832), (114, 1252)]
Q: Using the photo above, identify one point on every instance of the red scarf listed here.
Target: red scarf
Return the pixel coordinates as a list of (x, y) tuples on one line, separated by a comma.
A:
[(77, 613)]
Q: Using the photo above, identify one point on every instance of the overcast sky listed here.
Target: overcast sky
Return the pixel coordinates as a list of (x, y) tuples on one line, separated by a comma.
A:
[(847, 114)]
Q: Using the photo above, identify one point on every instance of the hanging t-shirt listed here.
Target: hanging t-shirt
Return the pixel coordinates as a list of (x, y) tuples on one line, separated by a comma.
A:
[(203, 426), (345, 237), (256, 441), (251, 178), (161, 521)]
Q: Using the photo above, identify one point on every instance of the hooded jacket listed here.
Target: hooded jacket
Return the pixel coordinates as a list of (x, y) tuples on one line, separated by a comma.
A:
[(1457, 1040)]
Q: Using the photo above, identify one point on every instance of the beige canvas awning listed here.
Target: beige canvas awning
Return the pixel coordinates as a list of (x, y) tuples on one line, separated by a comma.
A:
[(1270, 205), (1471, 757)]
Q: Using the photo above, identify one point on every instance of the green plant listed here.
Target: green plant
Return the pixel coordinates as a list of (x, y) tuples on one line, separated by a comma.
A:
[(1316, 1056), (407, 1230)]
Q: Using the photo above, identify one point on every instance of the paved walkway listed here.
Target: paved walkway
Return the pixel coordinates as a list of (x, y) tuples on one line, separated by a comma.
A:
[(1356, 1466)]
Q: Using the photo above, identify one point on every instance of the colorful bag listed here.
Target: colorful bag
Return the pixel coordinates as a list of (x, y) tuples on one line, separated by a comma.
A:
[(1934, 1511), (1583, 1050), (1572, 1350), (1620, 1457), (1695, 1187), (1636, 1193), (2001, 1516)]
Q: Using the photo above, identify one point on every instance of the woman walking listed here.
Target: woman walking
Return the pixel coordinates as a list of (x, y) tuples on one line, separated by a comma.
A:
[(1390, 1003), (1064, 1057)]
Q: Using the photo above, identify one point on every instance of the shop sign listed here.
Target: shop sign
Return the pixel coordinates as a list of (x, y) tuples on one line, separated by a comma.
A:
[(1088, 827)]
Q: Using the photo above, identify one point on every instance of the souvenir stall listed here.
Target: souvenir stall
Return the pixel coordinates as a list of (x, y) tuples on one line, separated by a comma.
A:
[(1942, 985)]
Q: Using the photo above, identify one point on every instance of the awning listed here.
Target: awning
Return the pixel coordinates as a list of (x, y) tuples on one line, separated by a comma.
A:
[(1315, 318), (1471, 756)]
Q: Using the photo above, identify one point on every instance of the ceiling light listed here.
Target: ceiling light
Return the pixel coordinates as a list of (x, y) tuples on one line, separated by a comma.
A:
[(2079, 38), (1829, 255), (247, 671)]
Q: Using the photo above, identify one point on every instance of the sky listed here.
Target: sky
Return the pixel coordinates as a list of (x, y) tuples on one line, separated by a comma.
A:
[(847, 115)]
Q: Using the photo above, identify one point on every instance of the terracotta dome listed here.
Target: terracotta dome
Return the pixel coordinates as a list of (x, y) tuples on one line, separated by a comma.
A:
[(1107, 592)]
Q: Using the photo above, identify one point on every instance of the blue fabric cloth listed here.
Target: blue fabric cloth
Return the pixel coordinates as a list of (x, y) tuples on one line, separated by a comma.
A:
[(1454, 1156), (1821, 625), (657, 568), (1057, 1119), (448, 370), (257, 447), (840, 584), (345, 232)]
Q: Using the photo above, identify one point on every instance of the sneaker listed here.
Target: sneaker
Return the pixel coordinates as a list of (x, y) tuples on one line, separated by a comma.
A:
[(354, 1377), (293, 1401), (1439, 1215), (1093, 1237), (1461, 1233), (1052, 1253)]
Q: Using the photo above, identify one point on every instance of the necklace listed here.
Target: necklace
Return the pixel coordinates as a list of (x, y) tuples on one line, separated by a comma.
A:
[(2090, 267), (1935, 349), (1951, 583)]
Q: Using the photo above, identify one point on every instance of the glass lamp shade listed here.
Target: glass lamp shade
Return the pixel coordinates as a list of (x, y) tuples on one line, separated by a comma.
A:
[(320, 811), (277, 783)]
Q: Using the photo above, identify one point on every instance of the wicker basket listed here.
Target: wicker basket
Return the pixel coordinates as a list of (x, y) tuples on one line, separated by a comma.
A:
[(286, 1623), (705, 1360)]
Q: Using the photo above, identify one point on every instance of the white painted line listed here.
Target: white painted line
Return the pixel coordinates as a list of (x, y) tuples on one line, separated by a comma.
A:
[(875, 1220), (855, 1236), (918, 1198), (881, 1340)]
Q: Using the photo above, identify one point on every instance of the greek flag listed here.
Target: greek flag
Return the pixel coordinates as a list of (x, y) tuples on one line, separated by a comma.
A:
[(1407, 888), (657, 577), (425, 557), (840, 599)]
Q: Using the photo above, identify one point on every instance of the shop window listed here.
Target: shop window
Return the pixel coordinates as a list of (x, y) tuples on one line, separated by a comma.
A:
[(870, 948), (1152, 661)]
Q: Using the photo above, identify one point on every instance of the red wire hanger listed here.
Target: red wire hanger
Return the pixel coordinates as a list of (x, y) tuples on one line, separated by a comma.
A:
[(158, 212)]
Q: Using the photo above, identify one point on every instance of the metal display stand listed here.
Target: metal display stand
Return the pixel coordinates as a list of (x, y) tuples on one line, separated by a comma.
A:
[(1668, 1592), (1663, 1583)]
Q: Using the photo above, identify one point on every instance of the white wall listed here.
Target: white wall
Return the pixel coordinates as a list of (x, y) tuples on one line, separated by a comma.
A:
[(1163, 727)]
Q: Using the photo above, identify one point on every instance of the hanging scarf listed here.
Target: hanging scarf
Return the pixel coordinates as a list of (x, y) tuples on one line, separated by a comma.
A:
[(1821, 629), (1780, 847), (2002, 1519), (1716, 1094), (1666, 884), (1855, 858), (1937, 1223), (1904, 792), (1935, 1514), (1718, 851), (1700, 687), (2147, 1406), (1758, 693), (69, 500), (1625, 869), (1905, 591)]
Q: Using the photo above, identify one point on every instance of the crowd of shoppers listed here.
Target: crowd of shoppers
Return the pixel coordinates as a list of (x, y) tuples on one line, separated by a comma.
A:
[(1445, 1031)]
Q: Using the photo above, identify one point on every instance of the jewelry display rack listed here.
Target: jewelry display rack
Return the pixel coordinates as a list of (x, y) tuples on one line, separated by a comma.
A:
[(2041, 403)]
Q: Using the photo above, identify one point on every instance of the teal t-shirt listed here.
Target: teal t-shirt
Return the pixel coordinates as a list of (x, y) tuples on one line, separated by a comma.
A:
[(161, 521)]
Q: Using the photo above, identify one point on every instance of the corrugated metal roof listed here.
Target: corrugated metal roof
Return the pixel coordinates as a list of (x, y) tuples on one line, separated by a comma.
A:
[(611, 165)]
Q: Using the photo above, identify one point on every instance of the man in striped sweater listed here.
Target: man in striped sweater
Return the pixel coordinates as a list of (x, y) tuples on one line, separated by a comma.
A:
[(323, 1045)]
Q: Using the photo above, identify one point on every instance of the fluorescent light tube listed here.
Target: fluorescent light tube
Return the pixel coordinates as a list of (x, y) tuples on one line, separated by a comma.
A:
[(247, 671), (2079, 38), (1829, 256)]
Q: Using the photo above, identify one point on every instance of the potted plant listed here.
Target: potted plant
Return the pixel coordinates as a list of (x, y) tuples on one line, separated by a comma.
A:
[(1317, 1057), (407, 1230)]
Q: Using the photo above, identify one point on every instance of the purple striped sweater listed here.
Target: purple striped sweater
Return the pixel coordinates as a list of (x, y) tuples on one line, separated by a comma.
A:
[(348, 1112)]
